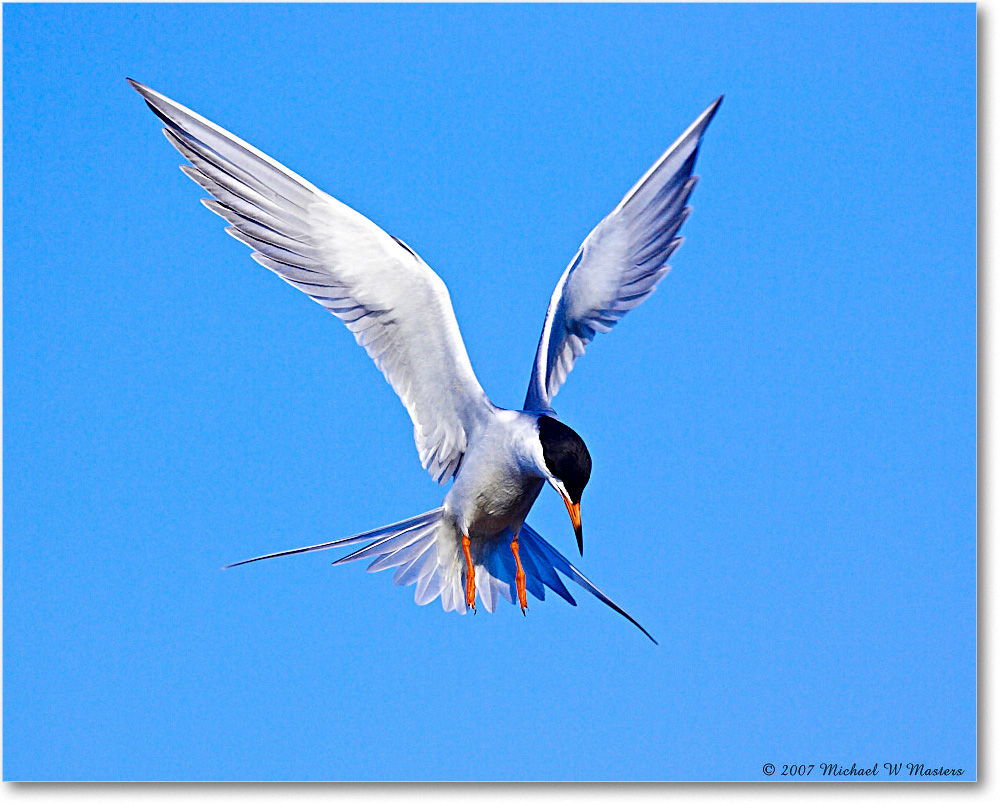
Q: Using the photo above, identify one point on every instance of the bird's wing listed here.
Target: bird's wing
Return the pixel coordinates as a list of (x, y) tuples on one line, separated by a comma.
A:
[(397, 307), (619, 264)]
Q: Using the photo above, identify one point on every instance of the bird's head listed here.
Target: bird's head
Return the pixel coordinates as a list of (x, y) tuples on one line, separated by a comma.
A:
[(566, 466)]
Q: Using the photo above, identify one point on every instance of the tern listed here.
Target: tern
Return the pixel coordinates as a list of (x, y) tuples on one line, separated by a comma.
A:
[(399, 310)]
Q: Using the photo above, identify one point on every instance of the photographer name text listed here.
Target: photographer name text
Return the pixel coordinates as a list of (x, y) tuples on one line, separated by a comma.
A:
[(839, 770)]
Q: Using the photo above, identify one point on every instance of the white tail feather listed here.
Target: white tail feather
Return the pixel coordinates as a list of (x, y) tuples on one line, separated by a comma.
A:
[(426, 551)]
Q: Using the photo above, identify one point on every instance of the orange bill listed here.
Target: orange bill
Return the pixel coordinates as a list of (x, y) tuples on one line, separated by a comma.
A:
[(574, 516)]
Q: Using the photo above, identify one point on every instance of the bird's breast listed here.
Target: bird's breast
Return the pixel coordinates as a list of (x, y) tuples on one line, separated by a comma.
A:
[(501, 506), (493, 492)]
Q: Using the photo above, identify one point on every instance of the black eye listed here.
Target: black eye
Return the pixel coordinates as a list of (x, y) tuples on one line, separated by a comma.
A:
[(565, 454)]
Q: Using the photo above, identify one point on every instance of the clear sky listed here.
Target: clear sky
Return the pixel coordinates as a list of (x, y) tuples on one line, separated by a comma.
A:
[(784, 435)]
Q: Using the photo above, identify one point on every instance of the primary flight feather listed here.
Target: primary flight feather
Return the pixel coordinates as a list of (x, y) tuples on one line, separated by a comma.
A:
[(399, 310)]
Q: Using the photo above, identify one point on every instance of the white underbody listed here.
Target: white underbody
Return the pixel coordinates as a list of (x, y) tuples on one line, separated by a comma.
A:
[(498, 480), (496, 485)]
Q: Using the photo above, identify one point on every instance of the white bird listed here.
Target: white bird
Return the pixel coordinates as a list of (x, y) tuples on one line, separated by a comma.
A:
[(399, 310)]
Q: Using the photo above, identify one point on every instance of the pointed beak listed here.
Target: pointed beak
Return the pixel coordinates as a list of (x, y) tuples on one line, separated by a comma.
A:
[(574, 515)]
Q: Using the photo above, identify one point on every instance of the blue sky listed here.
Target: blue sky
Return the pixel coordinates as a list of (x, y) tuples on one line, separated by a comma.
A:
[(784, 435)]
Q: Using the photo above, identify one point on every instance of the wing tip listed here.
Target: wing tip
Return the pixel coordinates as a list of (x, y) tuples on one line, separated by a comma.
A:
[(148, 93), (691, 138), (697, 128), (706, 116)]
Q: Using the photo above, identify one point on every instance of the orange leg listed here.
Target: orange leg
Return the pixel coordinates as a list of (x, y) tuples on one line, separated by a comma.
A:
[(470, 575), (519, 578)]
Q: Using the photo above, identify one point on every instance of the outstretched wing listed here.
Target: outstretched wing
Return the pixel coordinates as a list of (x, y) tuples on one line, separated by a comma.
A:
[(619, 264), (397, 307)]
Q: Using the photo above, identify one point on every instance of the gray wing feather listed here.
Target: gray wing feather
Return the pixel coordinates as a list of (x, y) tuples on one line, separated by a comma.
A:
[(619, 264), (397, 308)]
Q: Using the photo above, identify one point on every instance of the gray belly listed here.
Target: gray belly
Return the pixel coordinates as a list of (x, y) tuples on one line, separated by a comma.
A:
[(503, 507), (498, 481), (490, 503)]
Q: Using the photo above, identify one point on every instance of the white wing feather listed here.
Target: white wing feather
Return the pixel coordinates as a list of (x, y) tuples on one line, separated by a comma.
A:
[(619, 264), (397, 307)]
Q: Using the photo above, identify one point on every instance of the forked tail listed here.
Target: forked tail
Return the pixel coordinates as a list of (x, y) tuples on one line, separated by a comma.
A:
[(425, 552)]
